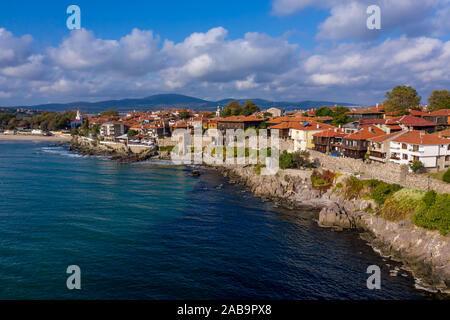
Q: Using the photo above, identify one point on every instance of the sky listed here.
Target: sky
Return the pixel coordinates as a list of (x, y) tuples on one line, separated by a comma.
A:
[(284, 50)]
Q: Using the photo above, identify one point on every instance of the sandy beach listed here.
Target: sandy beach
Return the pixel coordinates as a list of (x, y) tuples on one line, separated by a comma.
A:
[(17, 137)]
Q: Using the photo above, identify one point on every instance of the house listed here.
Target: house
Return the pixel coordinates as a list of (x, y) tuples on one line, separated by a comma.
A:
[(440, 117), (302, 133), (275, 112), (412, 123), (329, 141), (77, 122), (367, 113), (351, 127), (284, 129), (238, 122), (112, 129), (379, 146), (443, 134), (355, 145), (209, 124), (430, 149)]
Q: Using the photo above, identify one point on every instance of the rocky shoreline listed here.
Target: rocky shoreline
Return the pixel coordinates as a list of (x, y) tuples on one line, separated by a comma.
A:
[(123, 155), (425, 253)]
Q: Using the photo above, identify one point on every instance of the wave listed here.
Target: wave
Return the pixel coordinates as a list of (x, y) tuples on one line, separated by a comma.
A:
[(62, 151)]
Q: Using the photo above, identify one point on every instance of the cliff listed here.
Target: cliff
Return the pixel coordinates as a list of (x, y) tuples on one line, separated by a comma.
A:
[(423, 252), (117, 152)]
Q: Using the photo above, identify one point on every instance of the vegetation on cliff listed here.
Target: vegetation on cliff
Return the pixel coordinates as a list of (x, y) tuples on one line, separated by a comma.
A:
[(425, 209)]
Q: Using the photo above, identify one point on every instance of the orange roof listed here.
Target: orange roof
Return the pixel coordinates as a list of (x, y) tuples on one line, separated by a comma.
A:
[(442, 112), (418, 113), (419, 137), (375, 109), (311, 126), (385, 137), (240, 119), (443, 133), (365, 133), (330, 133)]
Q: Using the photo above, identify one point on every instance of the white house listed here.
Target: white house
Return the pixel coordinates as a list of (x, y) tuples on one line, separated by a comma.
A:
[(432, 150)]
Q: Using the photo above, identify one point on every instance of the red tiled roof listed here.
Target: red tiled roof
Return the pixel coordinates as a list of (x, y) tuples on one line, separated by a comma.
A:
[(418, 137), (385, 137), (417, 113), (311, 126), (365, 133), (240, 119), (330, 133), (372, 121), (442, 112), (411, 121)]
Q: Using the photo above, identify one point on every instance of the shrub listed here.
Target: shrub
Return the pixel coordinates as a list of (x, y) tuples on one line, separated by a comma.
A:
[(382, 190), (322, 180), (286, 160), (353, 188), (417, 167), (436, 216), (446, 176), (429, 198), (402, 204)]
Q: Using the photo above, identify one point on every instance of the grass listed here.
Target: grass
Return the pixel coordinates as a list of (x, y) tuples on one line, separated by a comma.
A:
[(434, 214), (403, 204), (437, 175)]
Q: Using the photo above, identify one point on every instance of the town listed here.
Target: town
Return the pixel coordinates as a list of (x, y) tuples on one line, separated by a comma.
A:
[(415, 135)]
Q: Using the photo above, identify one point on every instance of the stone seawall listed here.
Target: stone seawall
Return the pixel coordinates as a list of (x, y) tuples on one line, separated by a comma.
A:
[(116, 151), (425, 253), (388, 172)]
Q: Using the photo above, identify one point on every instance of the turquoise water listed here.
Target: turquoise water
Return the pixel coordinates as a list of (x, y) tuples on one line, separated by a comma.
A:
[(151, 231)]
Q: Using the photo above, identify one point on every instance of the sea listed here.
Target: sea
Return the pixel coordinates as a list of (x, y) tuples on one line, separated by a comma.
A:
[(150, 230)]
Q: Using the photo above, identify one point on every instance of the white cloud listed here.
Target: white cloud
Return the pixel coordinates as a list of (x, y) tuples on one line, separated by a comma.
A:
[(348, 18), (210, 64)]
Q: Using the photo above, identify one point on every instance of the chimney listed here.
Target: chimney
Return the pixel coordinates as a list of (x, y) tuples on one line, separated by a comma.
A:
[(317, 126), (388, 130)]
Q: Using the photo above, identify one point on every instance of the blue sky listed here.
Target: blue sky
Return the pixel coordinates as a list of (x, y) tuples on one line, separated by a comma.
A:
[(279, 49)]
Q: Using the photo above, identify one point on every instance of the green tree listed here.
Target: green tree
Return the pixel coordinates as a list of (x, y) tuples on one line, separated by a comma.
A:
[(132, 133), (341, 119), (233, 108), (323, 112), (446, 176), (184, 114), (110, 113), (339, 110), (439, 99), (402, 98), (286, 160), (249, 108), (417, 167)]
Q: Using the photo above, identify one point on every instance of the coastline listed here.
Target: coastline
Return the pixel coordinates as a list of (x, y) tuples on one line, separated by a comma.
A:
[(20, 137), (424, 253)]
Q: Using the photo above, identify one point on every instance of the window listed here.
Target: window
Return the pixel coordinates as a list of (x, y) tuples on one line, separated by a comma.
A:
[(403, 145), (415, 148), (405, 156)]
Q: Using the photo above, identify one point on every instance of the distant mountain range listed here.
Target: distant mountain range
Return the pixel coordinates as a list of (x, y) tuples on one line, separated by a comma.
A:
[(167, 101)]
